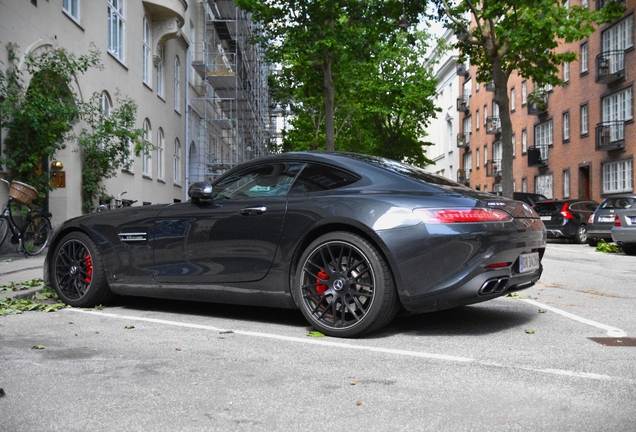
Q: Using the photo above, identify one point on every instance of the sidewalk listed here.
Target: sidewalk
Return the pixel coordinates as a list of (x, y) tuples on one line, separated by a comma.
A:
[(16, 268)]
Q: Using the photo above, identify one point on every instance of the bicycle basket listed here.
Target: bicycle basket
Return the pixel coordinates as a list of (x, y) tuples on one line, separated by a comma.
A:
[(22, 192)]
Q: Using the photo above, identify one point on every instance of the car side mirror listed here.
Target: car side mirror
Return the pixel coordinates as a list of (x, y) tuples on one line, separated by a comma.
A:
[(200, 190)]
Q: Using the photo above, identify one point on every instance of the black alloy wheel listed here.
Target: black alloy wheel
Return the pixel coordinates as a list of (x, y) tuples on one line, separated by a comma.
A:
[(344, 286), (78, 272)]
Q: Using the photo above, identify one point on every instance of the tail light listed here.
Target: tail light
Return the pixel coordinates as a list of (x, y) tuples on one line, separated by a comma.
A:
[(462, 215), (590, 219), (617, 221), (565, 212)]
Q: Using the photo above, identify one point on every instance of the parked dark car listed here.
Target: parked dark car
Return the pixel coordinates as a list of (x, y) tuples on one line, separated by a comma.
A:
[(600, 223), (566, 218), (349, 239), (528, 198), (624, 230)]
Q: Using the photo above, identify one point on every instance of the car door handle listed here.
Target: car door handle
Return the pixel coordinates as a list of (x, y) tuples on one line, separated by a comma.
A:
[(253, 211)]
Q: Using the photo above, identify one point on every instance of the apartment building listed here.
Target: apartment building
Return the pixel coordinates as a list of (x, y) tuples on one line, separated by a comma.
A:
[(573, 141), (200, 88), (443, 128)]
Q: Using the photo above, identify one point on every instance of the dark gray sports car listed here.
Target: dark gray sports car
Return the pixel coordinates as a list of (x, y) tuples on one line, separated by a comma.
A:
[(349, 239)]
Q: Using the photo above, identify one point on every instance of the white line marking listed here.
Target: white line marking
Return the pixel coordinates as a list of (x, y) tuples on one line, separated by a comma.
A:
[(611, 331), (328, 343)]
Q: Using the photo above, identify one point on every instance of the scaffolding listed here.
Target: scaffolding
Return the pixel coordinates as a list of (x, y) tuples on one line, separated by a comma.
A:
[(233, 102)]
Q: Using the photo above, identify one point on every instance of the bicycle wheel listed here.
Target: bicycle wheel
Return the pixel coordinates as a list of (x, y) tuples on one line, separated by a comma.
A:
[(35, 236), (4, 229)]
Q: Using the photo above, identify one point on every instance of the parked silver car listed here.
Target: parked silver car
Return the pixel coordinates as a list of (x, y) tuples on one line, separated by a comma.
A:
[(624, 230), (600, 223)]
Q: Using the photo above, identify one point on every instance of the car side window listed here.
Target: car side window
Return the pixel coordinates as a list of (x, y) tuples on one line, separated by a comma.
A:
[(316, 178), (258, 181)]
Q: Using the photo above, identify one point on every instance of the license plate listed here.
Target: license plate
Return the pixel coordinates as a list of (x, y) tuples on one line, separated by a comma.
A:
[(529, 262), (633, 220), (546, 218), (606, 218)]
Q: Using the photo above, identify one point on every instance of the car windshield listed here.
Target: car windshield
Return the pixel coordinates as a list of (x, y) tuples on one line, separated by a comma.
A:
[(618, 203), (410, 171)]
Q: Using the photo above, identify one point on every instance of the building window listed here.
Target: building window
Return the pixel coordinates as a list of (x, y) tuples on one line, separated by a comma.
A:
[(467, 128), (513, 99), (468, 164), (160, 75), (585, 4), (177, 161), (145, 159), (514, 144), (477, 154), (71, 7), (160, 148), (619, 36), (524, 141), (497, 151), (543, 138), (105, 104), (584, 120), (543, 185), (116, 28), (147, 53), (566, 72), (566, 183), (566, 126), (486, 155), (485, 115), (618, 176), (524, 93), (477, 119), (584, 58), (618, 106), (524, 185), (177, 85)]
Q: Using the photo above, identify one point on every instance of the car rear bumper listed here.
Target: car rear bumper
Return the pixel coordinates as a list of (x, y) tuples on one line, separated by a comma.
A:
[(623, 235)]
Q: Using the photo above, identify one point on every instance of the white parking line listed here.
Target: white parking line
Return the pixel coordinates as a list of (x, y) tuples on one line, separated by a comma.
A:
[(611, 331), (344, 345)]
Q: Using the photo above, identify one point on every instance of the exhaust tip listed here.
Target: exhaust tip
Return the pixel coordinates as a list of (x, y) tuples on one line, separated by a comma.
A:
[(494, 286)]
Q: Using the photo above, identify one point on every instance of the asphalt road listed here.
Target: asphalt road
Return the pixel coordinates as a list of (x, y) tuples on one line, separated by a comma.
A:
[(515, 363)]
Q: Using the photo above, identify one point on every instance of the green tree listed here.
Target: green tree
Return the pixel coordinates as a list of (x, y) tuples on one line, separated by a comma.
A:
[(500, 37), (107, 145), (319, 35), (39, 118)]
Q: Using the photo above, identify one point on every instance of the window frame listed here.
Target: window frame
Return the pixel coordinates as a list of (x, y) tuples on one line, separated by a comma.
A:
[(626, 176), (147, 53), (72, 9), (117, 39)]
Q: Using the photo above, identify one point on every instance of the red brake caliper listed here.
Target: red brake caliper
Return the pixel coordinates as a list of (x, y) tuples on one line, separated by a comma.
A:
[(89, 269), (323, 277)]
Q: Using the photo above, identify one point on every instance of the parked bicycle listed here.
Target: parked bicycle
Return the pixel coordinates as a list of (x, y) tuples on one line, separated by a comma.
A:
[(33, 236)]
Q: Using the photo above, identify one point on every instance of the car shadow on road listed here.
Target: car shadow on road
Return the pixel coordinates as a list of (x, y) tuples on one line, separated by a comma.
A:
[(479, 319)]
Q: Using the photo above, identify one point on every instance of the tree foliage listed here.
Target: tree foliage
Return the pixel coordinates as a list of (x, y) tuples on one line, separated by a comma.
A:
[(500, 37), (316, 40), (107, 145), (39, 118)]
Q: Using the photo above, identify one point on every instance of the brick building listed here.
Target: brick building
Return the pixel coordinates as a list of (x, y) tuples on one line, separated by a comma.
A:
[(573, 141)]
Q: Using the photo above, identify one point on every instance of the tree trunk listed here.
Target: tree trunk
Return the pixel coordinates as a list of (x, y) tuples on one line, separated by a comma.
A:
[(500, 79), (329, 102)]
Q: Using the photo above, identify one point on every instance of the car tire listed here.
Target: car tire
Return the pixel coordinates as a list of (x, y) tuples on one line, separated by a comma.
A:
[(580, 236), (629, 249), (344, 286), (77, 272)]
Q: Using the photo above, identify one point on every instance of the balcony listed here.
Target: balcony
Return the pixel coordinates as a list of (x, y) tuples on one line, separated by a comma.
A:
[(493, 168), (463, 177), (610, 135), (463, 139), (463, 103), (462, 70), (490, 86), (537, 103), (610, 66), (537, 157), (493, 126), (166, 10)]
